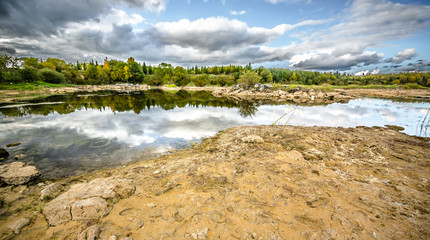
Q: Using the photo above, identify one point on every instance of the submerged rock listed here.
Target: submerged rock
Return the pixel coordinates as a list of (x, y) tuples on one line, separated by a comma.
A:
[(3, 153), (13, 144), (86, 200), (18, 173)]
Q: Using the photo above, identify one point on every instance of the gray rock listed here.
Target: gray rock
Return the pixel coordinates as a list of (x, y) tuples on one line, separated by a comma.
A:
[(90, 233), (18, 173), (19, 224), (70, 204)]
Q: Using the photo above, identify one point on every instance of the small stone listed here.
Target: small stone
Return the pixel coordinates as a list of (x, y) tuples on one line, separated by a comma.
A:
[(90, 233), (18, 156), (151, 205), (22, 189), (252, 139), (19, 224), (254, 236), (156, 172), (374, 234), (113, 237), (200, 234), (13, 144)]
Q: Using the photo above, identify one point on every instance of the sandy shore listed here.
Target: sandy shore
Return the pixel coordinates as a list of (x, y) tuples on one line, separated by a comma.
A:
[(263, 182)]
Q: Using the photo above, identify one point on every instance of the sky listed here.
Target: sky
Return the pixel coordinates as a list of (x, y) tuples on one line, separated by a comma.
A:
[(353, 36)]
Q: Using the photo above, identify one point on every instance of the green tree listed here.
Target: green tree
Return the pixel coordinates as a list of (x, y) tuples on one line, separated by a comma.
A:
[(91, 72), (266, 76), (180, 76), (32, 62), (248, 79)]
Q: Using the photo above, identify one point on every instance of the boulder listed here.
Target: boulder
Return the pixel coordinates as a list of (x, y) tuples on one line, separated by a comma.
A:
[(18, 173), (3, 153), (86, 200), (91, 208)]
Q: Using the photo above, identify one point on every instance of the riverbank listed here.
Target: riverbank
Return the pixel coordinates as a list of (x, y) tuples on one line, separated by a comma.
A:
[(312, 96), (263, 182)]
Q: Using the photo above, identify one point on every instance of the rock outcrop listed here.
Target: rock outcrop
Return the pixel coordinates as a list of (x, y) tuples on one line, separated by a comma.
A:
[(87, 200), (18, 173), (297, 95)]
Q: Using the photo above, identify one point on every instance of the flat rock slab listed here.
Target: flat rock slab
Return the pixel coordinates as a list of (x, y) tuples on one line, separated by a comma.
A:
[(19, 224), (87, 200), (18, 173)]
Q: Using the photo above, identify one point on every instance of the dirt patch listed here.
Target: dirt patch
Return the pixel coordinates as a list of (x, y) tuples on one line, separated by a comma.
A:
[(416, 94)]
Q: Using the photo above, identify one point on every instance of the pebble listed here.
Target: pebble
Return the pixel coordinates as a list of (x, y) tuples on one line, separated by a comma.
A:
[(151, 205), (156, 172)]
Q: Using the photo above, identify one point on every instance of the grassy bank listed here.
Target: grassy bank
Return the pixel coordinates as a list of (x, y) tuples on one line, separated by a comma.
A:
[(31, 86)]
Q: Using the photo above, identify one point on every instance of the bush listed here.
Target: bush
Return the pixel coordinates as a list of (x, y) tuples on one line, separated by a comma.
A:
[(29, 74), (50, 76), (248, 79), (200, 80), (412, 86)]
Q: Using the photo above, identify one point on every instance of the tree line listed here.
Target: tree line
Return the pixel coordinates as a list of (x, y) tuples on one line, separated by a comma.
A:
[(54, 70)]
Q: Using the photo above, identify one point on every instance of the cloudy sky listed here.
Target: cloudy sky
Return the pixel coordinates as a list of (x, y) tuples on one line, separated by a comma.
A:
[(329, 35)]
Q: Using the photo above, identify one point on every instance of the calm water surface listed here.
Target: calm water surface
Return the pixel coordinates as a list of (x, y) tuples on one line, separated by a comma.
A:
[(72, 134)]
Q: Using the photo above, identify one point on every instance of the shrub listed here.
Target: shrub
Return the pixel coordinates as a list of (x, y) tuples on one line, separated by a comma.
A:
[(248, 79), (29, 74), (50, 76)]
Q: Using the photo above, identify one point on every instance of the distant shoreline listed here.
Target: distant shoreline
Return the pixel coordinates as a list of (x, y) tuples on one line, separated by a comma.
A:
[(9, 96)]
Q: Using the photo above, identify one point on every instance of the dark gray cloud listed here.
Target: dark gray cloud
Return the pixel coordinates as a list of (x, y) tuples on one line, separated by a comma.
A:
[(417, 66), (20, 18), (40, 17), (7, 50)]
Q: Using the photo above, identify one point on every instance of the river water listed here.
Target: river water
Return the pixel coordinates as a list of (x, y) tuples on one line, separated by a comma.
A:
[(76, 133)]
